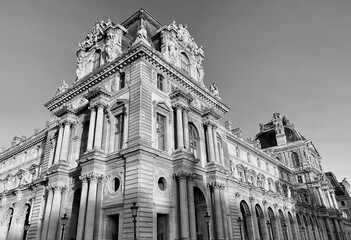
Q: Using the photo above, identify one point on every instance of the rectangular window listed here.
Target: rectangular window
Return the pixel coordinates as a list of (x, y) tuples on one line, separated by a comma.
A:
[(84, 140), (241, 176), (299, 179), (342, 203), (267, 166), (119, 122), (161, 131), (160, 83), (122, 80)]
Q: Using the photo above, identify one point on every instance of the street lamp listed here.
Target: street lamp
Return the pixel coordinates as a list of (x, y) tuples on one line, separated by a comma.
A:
[(285, 227), (322, 233), (303, 231), (208, 220), (134, 209), (240, 223), (314, 233), (26, 228), (269, 229), (64, 220)]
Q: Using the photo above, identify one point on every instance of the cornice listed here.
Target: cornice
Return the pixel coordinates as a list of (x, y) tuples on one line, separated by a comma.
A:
[(23, 146), (137, 51)]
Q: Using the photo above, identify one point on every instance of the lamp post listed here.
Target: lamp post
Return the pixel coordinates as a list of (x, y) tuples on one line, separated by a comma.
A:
[(64, 220), (134, 209), (240, 223), (285, 228), (314, 233), (26, 228), (269, 229), (208, 220), (303, 231), (322, 233)]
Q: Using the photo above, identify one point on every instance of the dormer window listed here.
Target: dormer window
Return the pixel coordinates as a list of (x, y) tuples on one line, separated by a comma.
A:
[(96, 60), (184, 63), (122, 80), (160, 83)]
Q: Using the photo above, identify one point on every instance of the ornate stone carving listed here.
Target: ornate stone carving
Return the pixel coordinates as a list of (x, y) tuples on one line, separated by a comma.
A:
[(62, 88), (214, 90), (113, 43)]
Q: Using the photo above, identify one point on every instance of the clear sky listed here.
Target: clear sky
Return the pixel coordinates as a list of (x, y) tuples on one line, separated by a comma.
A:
[(287, 56)]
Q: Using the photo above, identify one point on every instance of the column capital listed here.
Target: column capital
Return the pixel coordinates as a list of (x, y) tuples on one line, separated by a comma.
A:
[(57, 188), (216, 185), (210, 123), (97, 105), (183, 176), (91, 177)]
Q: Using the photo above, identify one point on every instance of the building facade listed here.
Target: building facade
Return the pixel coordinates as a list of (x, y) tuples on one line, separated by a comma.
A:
[(139, 125)]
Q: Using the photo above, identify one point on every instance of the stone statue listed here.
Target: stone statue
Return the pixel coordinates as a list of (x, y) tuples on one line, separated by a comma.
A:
[(214, 90), (200, 71), (62, 88), (111, 48), (142, 34), (80, 71), (172, 49)]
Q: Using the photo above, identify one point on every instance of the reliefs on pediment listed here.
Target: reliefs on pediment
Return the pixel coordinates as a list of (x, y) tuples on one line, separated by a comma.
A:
[(102, 45), (180, 49)]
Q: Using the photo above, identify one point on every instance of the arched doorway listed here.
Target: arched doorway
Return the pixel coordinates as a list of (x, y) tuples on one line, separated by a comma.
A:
[(200, 212), (292, 225), (246, 216), (26, 221), (261, 222), (284, 230), (273, 221)]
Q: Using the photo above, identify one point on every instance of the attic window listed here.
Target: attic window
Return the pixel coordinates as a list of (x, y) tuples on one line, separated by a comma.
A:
[(184, 63)]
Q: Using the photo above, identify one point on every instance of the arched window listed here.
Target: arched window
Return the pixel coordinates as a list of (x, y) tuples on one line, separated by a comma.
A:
[(184, 62), (96, 60), (295, 159), (194, 140)]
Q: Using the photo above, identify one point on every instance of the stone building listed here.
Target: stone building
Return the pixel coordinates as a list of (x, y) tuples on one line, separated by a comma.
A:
[(139, 125)]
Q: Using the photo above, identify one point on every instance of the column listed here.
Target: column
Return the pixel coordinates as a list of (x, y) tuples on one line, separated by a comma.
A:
[(58, 145), (264, 228), (186, 130), (316, 196), (210, 143), (55, 213), (125, 129), (191, 205), (215, 143), (65, 142), (184, 215), (90, 216), (329, 199), (334, 200), (218, 213), (47, 213), (321, 195), (82, 208), (99, 126), (179, 128), (40, 219), (52, 152), (91, 129), (224, 212)]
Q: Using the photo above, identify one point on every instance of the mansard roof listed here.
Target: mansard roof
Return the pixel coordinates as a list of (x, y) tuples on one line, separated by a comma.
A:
[(278, 124), (140, 36)]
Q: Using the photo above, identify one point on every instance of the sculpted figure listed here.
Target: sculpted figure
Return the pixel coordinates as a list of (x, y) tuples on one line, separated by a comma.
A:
[(214, 90), (200, 71), (142, 34), (80, 71), (111, 47), (62, 88), (172, 48)]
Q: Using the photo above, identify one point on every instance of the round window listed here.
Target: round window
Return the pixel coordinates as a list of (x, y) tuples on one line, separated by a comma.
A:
[(116, 184), (162, 184)]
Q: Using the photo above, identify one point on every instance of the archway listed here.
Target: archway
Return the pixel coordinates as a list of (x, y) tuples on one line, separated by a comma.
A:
[(282, 222), (26, 220), (292, 225), (274, 226), (247, 224), (262, 230), (6, 223), (200, 212)]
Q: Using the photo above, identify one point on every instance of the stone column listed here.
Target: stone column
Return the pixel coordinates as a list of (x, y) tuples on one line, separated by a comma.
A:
[(91, 129), (215, 143), (218, 212), (316, 196), (125, 129), (210, 143), (40, 219), (58, 146), (90, 216), (264, 228), (65, 142), (47, 213), (55, 212), (191, 207), (334, 200), (99, 126), (186, 130), (224, 212), (184, 214), (82, 208), (179, 128), (321, 195)]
